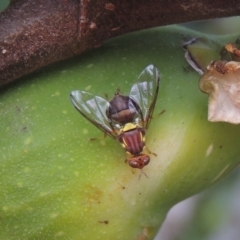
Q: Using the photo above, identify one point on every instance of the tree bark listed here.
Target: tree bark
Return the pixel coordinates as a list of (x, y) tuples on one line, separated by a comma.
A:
[(35, 33)]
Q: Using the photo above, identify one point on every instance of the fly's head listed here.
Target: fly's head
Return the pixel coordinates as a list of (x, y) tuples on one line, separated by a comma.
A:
[(139, 161)]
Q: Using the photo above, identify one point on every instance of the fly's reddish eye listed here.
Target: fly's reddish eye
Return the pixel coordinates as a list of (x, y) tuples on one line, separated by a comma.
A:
[(133, 163), (139, 161), (146, 160)]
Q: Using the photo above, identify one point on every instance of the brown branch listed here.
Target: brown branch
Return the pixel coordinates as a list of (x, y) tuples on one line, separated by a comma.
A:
[(35, 33)]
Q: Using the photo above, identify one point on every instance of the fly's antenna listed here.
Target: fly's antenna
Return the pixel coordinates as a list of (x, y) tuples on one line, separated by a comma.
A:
[(142, 172)]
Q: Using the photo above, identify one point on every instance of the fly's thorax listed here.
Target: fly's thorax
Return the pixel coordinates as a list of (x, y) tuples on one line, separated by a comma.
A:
[(122, 109)]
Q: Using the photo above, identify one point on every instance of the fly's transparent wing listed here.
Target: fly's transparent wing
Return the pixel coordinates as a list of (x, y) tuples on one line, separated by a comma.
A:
[(145, 92), (93, 108)]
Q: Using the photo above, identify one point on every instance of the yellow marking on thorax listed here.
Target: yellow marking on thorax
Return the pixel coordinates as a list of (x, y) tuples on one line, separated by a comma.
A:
[(128, 127)]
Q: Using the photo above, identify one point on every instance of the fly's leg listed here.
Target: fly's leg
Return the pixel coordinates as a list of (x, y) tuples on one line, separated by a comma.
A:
[(148, 151), (97, 138), (128, 156)]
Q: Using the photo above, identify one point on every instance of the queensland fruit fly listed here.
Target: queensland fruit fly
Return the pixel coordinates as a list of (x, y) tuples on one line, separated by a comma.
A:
[(124, 118)]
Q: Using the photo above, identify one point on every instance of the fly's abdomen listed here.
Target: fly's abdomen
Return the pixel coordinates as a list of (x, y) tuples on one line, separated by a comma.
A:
[(133, 141)]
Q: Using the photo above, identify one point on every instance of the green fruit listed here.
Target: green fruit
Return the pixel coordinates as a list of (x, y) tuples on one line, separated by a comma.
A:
[(56, 184)]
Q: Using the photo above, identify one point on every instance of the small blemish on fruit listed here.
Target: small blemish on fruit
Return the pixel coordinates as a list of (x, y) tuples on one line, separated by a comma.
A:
[(28, 140), (5, 208), (53, 215), (56, 94), (105, 221), (20, 184), (42, 194), (87, 88), (26, 169), (85, 131), (59, 234), (209, 150)]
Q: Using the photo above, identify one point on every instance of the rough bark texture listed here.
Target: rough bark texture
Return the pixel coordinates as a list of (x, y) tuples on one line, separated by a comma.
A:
[(35, 33)]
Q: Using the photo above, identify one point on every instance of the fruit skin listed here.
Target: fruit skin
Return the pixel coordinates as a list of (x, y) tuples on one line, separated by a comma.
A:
[(56, 184)]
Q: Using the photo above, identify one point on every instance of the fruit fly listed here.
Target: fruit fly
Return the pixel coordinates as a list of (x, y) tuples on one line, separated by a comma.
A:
[(124, 118)]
